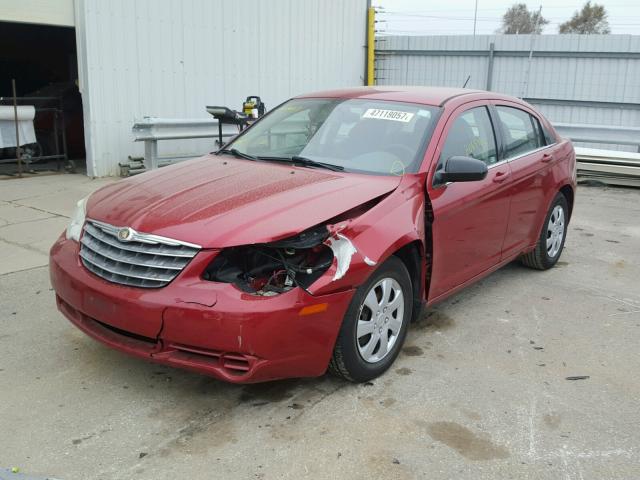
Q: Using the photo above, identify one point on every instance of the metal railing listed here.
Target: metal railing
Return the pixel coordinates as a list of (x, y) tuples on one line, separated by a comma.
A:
[(610, 134), (151, 130), (608, 166), (612, 167)]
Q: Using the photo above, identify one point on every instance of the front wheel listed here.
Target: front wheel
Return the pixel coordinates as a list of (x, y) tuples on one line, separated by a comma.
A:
[(551, 240), (375, 325)]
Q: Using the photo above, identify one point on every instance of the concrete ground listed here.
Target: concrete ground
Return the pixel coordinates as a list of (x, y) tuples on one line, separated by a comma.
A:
[(480, 391)]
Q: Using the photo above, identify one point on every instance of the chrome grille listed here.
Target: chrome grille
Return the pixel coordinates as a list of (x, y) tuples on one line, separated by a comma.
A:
[(147, 261)]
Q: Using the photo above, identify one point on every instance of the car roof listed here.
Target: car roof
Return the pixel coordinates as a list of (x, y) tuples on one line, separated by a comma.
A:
[(436, 96)]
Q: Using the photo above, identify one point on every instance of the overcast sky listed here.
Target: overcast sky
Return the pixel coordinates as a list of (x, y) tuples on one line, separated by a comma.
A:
[(454, 17)]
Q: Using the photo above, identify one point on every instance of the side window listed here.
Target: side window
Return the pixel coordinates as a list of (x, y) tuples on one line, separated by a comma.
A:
[(521, 131), (549, 139), (471, 135)]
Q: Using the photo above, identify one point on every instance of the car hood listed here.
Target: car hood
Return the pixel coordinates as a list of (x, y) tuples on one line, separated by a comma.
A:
[(220, 201)]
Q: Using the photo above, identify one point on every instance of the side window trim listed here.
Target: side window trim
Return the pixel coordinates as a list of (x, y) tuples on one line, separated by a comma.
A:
[(497, 133), (537, 128), (526, 154), (543, 131), (496, 144)]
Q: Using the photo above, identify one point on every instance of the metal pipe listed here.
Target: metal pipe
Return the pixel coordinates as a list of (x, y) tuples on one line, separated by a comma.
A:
[(475, 18), (44, 157), (509, 53), (31, 99), (63, 132), (15, 116), (492, 47), (583, 103), (525, 84), (55, 137)]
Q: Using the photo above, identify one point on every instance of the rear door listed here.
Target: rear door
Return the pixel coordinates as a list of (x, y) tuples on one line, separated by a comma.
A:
[(469, 218), (530, 158)]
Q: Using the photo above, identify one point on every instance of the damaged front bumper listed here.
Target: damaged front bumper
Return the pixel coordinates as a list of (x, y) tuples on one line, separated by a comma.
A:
[(209, 327)]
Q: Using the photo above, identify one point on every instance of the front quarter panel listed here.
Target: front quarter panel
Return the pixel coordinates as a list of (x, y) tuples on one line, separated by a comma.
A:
[(391, 224)]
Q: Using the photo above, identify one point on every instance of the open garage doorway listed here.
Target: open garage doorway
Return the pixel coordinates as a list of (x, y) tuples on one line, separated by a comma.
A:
[(43, 61)]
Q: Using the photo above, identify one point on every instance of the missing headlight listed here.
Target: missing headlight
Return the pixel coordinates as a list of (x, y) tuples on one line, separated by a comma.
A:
[(274, 268)]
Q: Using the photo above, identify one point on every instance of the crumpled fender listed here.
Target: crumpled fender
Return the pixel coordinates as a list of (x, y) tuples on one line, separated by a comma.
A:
[(361, 244)]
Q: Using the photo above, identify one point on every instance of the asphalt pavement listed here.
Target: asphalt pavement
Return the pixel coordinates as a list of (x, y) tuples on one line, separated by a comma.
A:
[(482, 390)]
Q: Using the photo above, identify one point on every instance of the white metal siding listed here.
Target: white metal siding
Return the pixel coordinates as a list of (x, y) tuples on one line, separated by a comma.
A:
[(571, 76), (169, 58), (47, 12)]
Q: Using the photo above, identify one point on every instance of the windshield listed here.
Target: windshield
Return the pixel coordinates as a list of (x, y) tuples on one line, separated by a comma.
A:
[(369, 136)]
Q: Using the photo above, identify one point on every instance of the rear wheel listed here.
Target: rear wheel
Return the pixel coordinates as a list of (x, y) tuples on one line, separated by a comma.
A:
[(551, 240), (375, 325)]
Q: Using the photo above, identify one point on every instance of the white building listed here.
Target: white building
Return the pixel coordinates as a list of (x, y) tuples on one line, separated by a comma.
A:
[(171, 58)]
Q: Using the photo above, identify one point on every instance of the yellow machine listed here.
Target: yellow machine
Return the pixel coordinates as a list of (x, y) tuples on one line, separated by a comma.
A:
[(253, 107)]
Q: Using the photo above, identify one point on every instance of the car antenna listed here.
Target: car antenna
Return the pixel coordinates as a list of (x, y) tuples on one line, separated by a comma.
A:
[(466, 81)]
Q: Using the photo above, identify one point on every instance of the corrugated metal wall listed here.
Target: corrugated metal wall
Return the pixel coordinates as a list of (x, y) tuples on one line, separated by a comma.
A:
[(170, 58), (45, 12), (592, 79)]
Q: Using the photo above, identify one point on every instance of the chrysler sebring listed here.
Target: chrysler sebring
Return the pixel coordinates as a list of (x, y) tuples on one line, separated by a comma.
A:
[(312, 239)]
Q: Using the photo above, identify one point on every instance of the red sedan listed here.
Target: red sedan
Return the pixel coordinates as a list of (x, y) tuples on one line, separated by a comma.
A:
[(314, 238)]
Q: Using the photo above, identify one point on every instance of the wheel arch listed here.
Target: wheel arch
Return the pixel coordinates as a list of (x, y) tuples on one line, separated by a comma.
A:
[(413, 257), (569, 194), (396, 226)]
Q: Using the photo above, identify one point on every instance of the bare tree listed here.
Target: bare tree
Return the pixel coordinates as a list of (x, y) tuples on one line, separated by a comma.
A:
[(591, 19), (519, 19)]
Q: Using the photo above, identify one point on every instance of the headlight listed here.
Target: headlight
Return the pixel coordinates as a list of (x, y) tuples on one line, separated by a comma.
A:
[(273, 268), (77, 220)]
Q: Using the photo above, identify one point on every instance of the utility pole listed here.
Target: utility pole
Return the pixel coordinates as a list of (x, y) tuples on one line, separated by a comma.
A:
[(525, 83), (475, 18)]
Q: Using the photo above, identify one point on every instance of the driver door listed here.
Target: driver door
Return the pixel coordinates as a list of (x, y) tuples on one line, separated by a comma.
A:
[(469, 218)]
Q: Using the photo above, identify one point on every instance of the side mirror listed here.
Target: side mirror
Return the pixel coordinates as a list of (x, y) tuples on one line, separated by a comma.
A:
[(461, 169)]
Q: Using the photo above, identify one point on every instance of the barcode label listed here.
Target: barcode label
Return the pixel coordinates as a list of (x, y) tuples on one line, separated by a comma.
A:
[(395, 115)]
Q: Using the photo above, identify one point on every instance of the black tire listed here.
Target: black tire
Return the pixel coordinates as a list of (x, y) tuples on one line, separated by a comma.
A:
[(347, 361), (539, 257)]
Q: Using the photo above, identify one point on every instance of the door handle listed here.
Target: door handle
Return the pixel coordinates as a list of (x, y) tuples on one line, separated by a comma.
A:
[(547, 157), (501, 176)]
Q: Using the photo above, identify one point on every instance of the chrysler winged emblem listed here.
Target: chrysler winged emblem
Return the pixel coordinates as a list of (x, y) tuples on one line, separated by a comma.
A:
[(125, 234)]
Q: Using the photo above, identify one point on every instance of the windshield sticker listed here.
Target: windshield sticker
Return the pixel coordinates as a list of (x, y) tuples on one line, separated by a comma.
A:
[(394, 115), (397, 168)]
